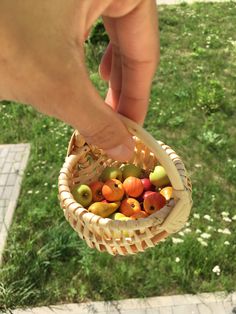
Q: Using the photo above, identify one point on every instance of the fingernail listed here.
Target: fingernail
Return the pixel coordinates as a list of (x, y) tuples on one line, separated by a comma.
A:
[(123, 152)]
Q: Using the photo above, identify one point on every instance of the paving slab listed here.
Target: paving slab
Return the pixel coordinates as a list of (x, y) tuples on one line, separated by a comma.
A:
[(185, 309), (201, 304), (13, 160), (166, 310)]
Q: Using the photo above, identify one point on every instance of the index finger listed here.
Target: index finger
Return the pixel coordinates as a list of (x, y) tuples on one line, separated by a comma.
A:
[(137, 41)]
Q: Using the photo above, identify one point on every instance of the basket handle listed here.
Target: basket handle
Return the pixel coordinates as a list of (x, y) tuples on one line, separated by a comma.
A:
[(157, 150)]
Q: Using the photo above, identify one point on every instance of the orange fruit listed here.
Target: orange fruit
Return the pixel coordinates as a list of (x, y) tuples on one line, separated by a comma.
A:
[(113, 190), (129, 207), (133, 186), (167, 192)]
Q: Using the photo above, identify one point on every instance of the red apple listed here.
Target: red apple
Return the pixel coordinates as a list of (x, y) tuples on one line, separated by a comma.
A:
[(147, 185), (146, 193), (96, 188), (153, 202), (143, 196)]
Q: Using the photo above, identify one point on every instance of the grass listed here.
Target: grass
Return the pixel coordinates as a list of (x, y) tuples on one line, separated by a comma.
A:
[(192, 108)]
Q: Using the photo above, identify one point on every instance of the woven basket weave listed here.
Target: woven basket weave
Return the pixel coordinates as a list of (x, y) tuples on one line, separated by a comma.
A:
[(84, 164)]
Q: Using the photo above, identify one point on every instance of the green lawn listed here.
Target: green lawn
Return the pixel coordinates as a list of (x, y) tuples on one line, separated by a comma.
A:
[(192, 108)]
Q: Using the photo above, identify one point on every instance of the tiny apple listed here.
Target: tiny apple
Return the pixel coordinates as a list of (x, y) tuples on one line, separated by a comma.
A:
[(159, 177), (141, 197), (146, 193), (130, 170), (133, 186), (111, 173), (147, 185), (82, 194), (129, 206), (113, 190), (96, 188), (154, 202)]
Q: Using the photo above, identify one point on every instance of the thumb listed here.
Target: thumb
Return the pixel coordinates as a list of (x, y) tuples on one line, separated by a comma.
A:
[(107, 131)]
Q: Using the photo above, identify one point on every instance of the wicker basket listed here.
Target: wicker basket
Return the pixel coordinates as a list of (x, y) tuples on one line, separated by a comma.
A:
[(84, 164)]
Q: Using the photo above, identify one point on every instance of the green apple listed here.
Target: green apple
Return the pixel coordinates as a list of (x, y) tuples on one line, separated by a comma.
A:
[(131, 170), (82, 194), (159, 177), (111, 173)]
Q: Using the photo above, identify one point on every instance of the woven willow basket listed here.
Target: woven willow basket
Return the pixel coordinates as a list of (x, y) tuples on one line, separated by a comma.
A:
[(84, 164)]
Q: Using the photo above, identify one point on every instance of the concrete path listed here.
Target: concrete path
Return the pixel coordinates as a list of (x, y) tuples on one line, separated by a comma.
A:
[(162, 2), (206, 303), (13, 160)]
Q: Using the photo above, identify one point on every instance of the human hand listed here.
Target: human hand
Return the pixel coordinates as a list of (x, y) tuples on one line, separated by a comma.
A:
[(42, 64)]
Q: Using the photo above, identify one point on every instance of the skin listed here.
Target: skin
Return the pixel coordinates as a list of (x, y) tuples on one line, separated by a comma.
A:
[(42, 64)]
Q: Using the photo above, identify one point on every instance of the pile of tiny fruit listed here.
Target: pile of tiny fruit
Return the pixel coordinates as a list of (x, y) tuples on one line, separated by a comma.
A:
[(125, 193)]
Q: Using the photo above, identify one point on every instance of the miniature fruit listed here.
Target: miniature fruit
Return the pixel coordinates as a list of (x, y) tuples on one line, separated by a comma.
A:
[(133, 186), (129, 206), (82, 194), (131, 170), (96, 188), (147, 185), (146, 193), (143, 195), (119, 216), (167, 192), (111, 173), (113, 190), (159, 177), (138, 215), (103, 209), (154, 202)]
